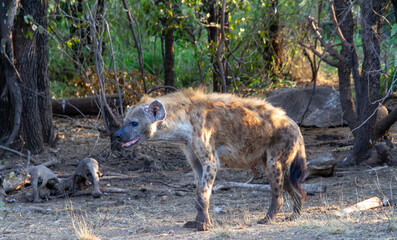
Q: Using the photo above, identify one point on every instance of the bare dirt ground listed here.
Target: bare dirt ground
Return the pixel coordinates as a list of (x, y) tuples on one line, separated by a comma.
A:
[(161, 197)]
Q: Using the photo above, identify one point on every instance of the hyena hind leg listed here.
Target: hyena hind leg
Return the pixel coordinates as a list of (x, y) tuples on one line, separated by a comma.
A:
[(275, 176), (296, 198)]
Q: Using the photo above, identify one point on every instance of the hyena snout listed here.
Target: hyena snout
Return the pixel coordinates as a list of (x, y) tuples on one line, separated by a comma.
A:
[(127, 136), (121, 135)]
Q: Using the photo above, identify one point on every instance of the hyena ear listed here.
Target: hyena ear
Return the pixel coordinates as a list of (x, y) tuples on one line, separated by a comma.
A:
[(156, 111)]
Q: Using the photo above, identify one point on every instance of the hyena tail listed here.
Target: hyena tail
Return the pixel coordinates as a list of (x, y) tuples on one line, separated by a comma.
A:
[(297, 172)]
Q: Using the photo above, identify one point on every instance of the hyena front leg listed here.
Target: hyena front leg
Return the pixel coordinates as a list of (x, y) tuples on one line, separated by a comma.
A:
[(204, 166), (204, 189), (198, 173), (275, 176)]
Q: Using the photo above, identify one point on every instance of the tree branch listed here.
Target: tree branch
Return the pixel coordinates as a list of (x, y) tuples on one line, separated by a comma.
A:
[(328, 47), (321, 55), (34, 161), (337, 28)]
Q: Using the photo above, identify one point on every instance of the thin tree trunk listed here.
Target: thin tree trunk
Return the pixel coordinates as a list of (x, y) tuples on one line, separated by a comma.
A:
[(213, 40), (10, 96), (345, 19), (110, 121), (272, 52), (169, 57), (137, 40), (43, 82)]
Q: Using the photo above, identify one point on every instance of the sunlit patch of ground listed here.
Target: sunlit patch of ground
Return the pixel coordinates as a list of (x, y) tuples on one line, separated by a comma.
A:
[(162, 199)]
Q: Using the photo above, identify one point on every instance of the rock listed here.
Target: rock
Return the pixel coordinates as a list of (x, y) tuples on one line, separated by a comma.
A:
[(322, 165), (220, 209), (325, 109), (180, 193)]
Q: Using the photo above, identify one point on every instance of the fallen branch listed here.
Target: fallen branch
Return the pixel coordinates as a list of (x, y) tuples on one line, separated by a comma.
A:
[(114, 190), (309, 188), (50, 163), (367, 170), (83, 105), (120, 178), (29, 209), (17, 153), (361, 206)]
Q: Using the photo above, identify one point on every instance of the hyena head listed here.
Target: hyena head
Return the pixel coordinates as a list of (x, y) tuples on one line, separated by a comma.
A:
[(138, 122)]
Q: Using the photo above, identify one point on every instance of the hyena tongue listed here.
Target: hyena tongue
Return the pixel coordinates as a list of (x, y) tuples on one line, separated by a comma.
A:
[(127, 144)]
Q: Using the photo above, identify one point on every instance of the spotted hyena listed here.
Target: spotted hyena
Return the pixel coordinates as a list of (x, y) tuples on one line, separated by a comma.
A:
[(223, 129)]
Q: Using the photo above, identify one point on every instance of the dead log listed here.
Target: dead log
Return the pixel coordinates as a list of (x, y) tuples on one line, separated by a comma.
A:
[(21, 180), (16, 183), (361, 206), (309, 188), (84, 105)]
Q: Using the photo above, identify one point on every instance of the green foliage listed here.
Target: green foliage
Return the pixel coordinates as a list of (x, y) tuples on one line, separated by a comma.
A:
[(247, 39)]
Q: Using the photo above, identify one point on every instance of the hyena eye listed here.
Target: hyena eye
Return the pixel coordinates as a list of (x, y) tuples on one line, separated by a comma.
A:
[(134, 124)]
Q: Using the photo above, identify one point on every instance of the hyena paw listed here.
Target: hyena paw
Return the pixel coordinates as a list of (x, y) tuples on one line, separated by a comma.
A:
[(203, 226), (264, 220), (293, 216), (37, 201), (190, 224)]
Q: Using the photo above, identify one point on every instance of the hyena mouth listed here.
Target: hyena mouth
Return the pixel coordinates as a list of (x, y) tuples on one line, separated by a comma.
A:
[(127, 144)]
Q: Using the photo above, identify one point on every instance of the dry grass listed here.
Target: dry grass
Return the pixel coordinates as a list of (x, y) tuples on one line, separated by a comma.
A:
[(82, 229)]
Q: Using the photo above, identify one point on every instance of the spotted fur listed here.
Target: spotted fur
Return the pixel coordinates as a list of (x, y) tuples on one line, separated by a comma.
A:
[(223, 129)]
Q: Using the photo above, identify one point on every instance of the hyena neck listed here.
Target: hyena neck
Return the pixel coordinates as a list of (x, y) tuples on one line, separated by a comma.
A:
[(178, 131)]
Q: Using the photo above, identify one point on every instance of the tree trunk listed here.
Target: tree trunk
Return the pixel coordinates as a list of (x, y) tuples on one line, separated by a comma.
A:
[(272, 52), (213, 40), (43, 82), (368, 87), (345, 19), (169, 57), (27, 80), (26, 63)]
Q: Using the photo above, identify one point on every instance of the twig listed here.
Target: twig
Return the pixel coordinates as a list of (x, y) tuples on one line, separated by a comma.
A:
[(309, 188), (321, 55), (114, 68), (137, 45), (18, 153), (337, 28), (327, 46), (114, 190)]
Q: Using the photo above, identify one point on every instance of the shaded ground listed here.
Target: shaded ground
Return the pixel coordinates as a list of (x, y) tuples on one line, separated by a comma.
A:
[(162, 196)]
